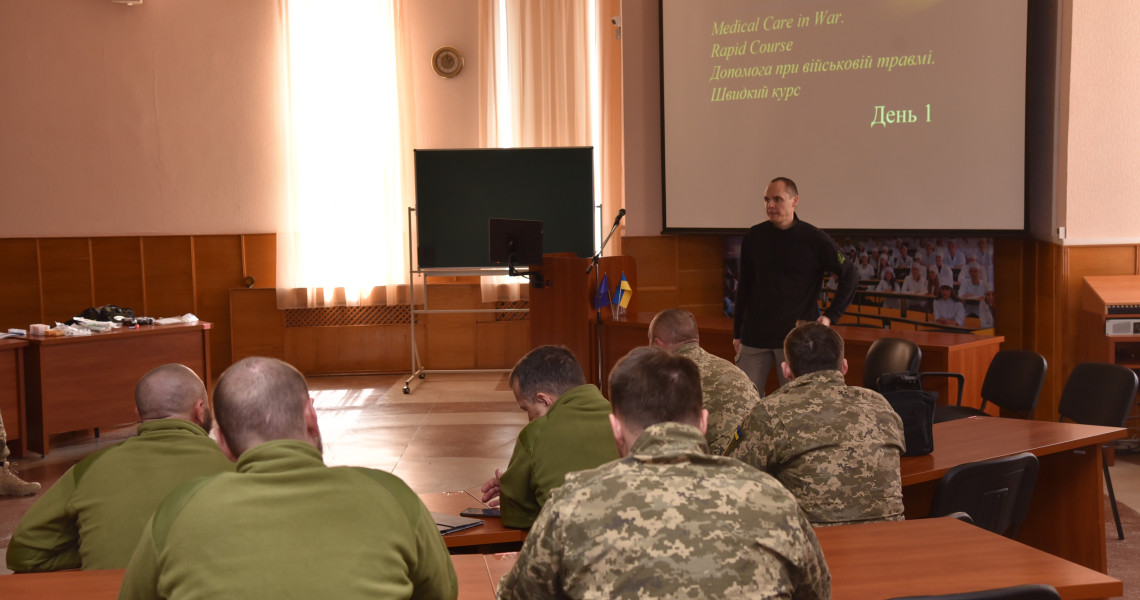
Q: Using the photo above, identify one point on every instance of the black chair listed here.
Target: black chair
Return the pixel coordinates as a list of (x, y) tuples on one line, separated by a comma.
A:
[(889, 355), (1100, 394), (1013, 382), (995, 493), (1033, 591)]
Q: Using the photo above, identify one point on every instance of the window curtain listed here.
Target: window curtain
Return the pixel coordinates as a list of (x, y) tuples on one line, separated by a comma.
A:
[(342, 235), (551, 76)]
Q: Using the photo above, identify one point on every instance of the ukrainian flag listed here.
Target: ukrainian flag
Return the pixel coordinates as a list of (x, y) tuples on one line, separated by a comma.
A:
[(624, 292)]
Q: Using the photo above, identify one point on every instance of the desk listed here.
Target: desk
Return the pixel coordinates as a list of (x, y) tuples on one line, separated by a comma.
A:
[(876, 560), (85, 382), (885, 560), (12, 404), (1066, 515), (491, 531), (963, 353)]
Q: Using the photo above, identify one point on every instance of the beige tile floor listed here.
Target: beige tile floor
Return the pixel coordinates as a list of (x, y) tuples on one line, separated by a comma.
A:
[(450, 433)]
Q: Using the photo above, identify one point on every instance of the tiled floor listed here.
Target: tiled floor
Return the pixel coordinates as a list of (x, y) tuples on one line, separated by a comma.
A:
[(450, 433)]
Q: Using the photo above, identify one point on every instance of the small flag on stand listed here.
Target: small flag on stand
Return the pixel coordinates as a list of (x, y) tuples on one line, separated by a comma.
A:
[(603, 296), (624, 292)]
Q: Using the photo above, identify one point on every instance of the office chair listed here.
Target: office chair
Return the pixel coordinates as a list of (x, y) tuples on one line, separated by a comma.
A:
[(995, 493), (1013, 382), (1100, 394), (889, 355), (1033, 591)]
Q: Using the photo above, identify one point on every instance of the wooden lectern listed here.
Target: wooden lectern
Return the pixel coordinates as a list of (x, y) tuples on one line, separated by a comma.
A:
[(562, 311)]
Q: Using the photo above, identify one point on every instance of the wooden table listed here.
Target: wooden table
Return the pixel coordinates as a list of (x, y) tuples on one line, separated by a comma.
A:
[(876, 560), (491, 531), (963, 353), (885, 560), (86, 382), (12, 398), (1066, 515)]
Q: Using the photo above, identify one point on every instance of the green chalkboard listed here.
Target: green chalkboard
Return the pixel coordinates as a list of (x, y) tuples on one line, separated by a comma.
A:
[(458, 191)]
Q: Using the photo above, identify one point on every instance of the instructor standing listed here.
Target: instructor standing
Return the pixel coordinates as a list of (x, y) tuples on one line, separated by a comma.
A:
[(782, 264)]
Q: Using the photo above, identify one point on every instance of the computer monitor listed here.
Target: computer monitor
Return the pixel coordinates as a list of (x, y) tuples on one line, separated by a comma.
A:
[(515, 241)]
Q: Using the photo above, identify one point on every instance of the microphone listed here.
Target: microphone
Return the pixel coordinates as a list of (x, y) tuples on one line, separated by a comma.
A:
[(621, 213)]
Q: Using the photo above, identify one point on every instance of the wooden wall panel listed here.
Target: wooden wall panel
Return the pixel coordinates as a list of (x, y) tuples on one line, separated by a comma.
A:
[(260, 259), (20, 302), (65, 277), (501, 343), (451, 338), (257, 328), (656, 258), (168, 276), (117, 268), (217, 270), (352, 349)]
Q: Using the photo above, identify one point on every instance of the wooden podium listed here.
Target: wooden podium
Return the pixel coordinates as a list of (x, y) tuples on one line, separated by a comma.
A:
[(562, 311)]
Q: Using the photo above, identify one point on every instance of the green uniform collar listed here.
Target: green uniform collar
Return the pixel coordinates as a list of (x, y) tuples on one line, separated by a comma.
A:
[(171, 425), (278, 456), (670, 438)]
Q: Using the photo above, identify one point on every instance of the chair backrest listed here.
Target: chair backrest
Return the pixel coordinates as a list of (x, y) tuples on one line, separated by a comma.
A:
[(1033, 591), (995, 493), (889, 355), (1014, 380), (1098, 394)]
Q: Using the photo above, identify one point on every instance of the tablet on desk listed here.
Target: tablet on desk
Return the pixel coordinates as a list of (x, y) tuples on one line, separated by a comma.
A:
[(451, 523)]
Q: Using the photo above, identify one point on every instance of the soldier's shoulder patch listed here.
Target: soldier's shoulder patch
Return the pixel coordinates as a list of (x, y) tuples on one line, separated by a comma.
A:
[(842, 258)]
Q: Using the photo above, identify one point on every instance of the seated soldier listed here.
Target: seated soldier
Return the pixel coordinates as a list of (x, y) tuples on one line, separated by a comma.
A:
[(92, 517), (285, 525), (835, 446), (667, 520), (729, 394), (568, 431), (10, 482)]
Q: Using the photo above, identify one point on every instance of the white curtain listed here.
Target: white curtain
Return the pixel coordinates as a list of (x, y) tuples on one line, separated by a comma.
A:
[(545, 87), (342, 233)]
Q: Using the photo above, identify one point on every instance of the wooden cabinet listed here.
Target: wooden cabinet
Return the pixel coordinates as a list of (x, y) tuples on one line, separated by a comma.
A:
[(1112, 301)]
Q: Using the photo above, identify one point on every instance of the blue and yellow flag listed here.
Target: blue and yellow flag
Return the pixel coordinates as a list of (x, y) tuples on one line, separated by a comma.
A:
[(624, 292)]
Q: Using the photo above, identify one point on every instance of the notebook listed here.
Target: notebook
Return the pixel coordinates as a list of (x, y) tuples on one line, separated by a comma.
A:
[(452, 523)]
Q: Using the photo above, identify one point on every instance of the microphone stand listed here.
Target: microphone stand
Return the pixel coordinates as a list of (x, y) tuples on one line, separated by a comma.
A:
[(597, 289)]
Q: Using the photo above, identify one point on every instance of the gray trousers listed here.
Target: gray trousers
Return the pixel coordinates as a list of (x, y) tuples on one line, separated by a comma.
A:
[(756, 362)]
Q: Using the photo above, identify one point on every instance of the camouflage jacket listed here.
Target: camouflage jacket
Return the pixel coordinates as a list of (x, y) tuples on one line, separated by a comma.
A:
[(835, 446), (670, 521), (729, 394)]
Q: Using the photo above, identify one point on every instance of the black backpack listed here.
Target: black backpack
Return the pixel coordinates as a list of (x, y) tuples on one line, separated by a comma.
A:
[(916, 408)]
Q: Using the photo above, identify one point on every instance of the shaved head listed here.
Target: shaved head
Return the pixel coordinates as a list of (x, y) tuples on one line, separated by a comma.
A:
[(673, 327), (258, 400), (169, 391)]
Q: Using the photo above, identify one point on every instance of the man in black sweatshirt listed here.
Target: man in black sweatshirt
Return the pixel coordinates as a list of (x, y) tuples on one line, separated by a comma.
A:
[(782, 264)]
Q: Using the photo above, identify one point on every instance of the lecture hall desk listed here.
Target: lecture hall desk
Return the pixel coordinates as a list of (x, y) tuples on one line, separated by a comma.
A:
[(876, 560), (86, 382), (491, 531), (1066, 514)]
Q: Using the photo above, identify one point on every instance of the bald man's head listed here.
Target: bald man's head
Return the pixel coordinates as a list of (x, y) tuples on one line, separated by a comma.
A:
[(260, 399), (173, 391)]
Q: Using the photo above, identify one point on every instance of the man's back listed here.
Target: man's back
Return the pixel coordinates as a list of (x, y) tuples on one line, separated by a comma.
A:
[(835, 447), (574, 435), (669, 521), (287, 526), (92, 517), (729, 394)]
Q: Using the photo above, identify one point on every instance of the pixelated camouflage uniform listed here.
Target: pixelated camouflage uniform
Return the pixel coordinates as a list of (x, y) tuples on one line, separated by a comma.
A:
[(670, 521), (836, 447), (729, 394)]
